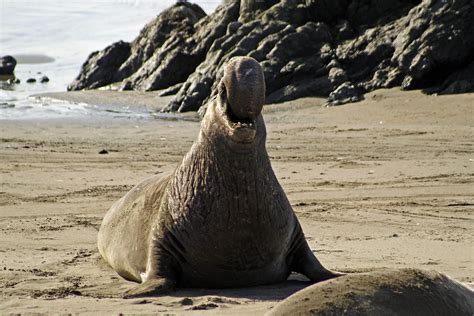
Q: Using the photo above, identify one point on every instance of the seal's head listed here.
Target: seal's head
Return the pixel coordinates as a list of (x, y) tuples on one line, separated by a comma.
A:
[(241, 95)]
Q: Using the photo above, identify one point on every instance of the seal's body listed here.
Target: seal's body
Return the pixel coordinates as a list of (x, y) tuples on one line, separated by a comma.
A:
[(221, 219), (382, 292)]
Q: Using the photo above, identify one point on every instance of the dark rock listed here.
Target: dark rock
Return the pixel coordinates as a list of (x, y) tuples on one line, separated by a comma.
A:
[(316, 87), (461, 81), (338, 49), (337, 76), (249, 9), (7, 65), (162, 45), (205, 306), (186, 301), (358, 12), (171, 90), (100, 68), (6, 105), (44, 79), (437, 41), (345, 93), (147, 59), (17, 81), (103, 152), (30, 80)]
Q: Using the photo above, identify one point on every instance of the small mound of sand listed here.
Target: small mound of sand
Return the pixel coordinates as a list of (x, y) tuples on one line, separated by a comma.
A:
[(385, 292)]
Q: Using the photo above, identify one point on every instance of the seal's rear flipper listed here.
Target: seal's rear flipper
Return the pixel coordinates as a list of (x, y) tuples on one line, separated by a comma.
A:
[(151, 287)]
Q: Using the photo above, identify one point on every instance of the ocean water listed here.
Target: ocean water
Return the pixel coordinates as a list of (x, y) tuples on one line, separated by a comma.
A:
[(54, 38)]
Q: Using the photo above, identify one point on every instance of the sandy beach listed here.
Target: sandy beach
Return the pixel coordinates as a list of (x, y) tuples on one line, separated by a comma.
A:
[(387, 182)]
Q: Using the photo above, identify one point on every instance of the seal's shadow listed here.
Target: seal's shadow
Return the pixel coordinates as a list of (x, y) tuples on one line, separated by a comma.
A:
[(279, 291)]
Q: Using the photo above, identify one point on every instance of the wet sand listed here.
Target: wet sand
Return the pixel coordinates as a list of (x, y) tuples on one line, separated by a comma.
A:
[(387, 182)]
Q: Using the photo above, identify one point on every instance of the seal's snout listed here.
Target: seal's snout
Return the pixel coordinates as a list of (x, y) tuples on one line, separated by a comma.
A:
[(244, 83)]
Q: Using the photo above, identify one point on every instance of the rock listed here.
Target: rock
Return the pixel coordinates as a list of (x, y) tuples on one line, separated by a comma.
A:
[(162, 45), (17, 81), (338, 49), (44, 79), (337, 76), (150, 51), (461, 81), (30, 80), (249, 9), (437, 41), (186, 301), (103, 152), (205, 306), (345, 93), (171, 90), (6, 105), (316, 87), (100, 68), (7, 65)]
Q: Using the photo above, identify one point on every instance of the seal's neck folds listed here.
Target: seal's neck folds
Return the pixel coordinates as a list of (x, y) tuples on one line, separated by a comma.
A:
[(218, 178)]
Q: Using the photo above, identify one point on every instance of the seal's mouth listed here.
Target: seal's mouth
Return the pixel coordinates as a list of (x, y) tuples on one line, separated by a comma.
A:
[(238, 123), (240, 130)]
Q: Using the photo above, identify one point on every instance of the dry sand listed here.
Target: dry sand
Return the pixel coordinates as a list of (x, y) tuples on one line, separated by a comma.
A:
[(387, 182)]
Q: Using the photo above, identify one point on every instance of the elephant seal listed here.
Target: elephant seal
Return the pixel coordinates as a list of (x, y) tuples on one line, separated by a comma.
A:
[(221, 219), (384, 292)]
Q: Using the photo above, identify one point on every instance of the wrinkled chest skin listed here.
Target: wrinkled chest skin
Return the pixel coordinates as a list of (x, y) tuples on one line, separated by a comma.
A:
[(229, 223)]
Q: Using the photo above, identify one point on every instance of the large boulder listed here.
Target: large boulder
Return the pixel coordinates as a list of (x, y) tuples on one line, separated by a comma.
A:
[(100, 68), (338, 49), (140, 58), (437, 41)]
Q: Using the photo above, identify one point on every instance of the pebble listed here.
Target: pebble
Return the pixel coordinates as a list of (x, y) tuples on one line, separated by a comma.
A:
[(186, 301)]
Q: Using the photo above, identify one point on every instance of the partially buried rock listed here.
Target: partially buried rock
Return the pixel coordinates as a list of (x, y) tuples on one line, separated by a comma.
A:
[(7, 65), (31, 80), (44, 79), (103, 152)]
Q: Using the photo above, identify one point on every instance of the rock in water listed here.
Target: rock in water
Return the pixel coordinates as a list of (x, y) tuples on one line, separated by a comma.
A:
[(387, 292), (7, 65), (332, 48), (44, 79)]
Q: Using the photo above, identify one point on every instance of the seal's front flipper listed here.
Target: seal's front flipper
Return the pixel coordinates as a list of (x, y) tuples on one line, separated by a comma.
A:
[(151, 287), (304, 261)]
